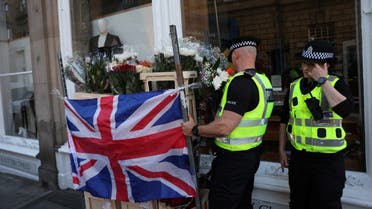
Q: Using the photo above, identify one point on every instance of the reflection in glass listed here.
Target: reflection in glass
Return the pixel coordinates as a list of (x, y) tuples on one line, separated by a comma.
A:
[(284, 27), (17, 102)]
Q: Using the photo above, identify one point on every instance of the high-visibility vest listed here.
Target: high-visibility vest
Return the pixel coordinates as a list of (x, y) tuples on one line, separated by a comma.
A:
[(248, 134), (305, 133)]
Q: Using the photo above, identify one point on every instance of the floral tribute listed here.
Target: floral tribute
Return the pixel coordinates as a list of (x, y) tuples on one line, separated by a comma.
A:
[(118, 75), (211, 65), (208, 61)]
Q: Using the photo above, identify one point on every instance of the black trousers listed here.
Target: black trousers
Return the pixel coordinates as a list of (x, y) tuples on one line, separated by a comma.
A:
[(232, 179), (316, 180)]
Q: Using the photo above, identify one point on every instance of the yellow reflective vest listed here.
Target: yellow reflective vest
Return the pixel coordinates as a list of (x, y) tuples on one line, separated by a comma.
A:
[(305, 133), (248, 134)]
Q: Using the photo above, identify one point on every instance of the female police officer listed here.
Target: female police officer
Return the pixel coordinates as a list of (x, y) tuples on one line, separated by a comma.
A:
[(312, 117)]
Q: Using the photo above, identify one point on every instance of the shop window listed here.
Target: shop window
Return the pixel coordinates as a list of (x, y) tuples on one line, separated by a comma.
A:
[(129, 22), (284, 27)]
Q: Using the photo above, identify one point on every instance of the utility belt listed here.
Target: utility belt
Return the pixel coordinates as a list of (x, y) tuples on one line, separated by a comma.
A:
[(237, 141), (317, 141), (219, 151), (314, 123)]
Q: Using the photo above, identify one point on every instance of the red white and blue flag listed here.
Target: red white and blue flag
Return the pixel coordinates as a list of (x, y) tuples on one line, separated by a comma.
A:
[(129, 147)]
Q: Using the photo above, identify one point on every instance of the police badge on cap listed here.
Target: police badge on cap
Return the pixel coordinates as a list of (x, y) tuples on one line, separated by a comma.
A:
[(318, 51), (242, 42)]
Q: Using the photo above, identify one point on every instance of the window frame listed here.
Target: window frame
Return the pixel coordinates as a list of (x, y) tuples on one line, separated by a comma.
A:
[(2, 122), (366, 30)]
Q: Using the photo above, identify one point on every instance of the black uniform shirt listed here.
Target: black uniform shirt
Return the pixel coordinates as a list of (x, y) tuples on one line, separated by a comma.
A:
[(242, 95), (343, 109)]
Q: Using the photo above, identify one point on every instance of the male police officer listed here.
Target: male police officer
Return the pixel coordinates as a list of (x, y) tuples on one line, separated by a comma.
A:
[(312, 115), (240, 123)]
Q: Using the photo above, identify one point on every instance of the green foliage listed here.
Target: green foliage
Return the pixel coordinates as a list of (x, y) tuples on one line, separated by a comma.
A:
[(125, 81), (96, 79), (166, 64)]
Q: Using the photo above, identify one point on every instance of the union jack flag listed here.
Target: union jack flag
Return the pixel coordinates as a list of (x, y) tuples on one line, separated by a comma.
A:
[(129, 147)]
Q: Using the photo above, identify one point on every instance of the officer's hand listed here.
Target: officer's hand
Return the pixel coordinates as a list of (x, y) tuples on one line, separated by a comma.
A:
[(283, 160), (187, 126), (319, 71)]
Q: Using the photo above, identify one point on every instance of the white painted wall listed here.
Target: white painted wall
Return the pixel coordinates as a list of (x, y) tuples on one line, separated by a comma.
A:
[(134, 28), (65, 37)]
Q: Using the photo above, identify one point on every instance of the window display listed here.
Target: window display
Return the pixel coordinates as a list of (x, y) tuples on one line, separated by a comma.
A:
[(105, 42)]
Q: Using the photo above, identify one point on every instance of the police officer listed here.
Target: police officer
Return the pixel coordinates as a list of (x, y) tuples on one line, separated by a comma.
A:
[(239, 125), (312, 117)]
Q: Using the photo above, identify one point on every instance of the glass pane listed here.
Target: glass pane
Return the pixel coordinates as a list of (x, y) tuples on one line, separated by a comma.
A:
[(17, 102), (284, 27)]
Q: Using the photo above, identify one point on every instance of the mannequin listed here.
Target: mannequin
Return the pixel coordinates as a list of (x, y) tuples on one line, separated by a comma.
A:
[(104, 42)]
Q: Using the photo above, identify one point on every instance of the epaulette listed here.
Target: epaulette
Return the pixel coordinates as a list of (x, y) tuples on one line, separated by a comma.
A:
[(250, 73)]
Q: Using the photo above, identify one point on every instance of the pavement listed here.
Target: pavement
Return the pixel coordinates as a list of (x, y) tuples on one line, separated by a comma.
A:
[(20, 193)]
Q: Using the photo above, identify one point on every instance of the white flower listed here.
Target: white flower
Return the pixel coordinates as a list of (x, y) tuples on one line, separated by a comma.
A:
[(88, 59), (187, 52), (207, 65), (198, 58), (124, 56), (219, 71), (168, 52), (143, 69), (110, 66), (217, 82), (224, 76)]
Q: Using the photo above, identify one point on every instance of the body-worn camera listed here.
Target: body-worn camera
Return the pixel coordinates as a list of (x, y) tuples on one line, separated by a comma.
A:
[(314, 107)]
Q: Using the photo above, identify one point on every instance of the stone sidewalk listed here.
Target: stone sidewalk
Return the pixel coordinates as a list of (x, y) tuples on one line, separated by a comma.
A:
[(20, 193)]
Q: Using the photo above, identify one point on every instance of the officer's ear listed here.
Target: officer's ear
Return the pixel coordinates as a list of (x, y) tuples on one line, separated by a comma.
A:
[(235, 55)]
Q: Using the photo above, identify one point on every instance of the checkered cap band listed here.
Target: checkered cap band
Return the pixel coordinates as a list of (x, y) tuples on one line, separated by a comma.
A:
[(242, 44), (310, 54)]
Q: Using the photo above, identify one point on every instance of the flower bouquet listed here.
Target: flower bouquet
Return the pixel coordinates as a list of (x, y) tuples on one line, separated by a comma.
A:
[(96, 77), (99, 74), (208, 61), (124, 79), (211, 65), (188, 48), (88, 73)]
